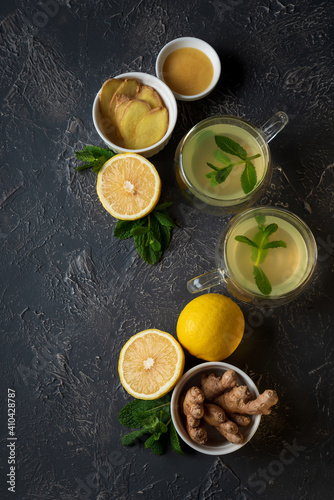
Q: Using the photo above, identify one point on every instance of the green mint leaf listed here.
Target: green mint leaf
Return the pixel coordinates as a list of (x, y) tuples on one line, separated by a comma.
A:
[(123, 228), (154, 238), (151, 234), (165, 237), (150, 418), (95, 156), (155, 244), (95, 152), (216, 169), (158, 446), (164, 219), (221, 157), (145, 250), (151, 406), (262, 281), (213, 182), (160, 428), (150, 422), (219, 175), (155, 227), (130, 415), (275, 244), (127, 415), (132, 437), (244, 239), (261, 220), (223, 173), (270, 229), (138, 231), (260, 239), (82, 156), (229, 146), (210, 175), (174, 439), (84, 167), (98, 164), (248, 177), (163, 206)]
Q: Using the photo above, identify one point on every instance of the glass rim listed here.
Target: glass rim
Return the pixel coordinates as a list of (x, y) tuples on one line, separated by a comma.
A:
[(308, 273), (203, 196)]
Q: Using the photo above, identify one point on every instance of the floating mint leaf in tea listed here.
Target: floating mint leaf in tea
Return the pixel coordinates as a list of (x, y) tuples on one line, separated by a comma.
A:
[(248, 177), (260, 246), (221, 157), (230, 146), (262, 281)]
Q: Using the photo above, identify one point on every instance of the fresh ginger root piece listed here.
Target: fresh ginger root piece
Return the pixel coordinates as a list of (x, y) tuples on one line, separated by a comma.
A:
[(213, 386), (262, 404), (234, 401), (240, 420), (193, 403), (215, 416), (238, 400), (198, 434), (235, 438), (193, 408)]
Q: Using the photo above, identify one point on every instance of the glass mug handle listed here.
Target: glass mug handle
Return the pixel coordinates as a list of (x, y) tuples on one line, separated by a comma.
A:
[(274, 125), (206, 280)]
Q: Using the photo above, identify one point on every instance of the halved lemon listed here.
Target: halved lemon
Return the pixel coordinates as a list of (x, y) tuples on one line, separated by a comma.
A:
[(150, 364), (128, 186)]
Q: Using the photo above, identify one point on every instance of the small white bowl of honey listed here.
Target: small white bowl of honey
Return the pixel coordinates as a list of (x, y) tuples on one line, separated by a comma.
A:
[(190, 67)]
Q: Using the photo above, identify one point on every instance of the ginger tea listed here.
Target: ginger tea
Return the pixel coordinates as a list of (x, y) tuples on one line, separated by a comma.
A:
[(201, 150), (271, 263)]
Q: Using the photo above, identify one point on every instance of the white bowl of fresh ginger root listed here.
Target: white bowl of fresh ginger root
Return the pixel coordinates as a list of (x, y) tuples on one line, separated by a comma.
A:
[(216, 408)]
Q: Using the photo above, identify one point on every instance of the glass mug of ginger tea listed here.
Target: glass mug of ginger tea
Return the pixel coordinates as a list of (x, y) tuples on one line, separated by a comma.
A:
[(265, 256), (223, 165)]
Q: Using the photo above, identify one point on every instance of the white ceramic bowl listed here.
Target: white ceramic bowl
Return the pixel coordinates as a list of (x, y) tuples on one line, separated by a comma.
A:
[(167, 96), (194, 43), (216, 444)]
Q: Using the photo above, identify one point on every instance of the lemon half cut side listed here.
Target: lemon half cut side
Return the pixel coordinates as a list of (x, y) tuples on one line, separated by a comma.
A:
[(128, 186), (150, 364)]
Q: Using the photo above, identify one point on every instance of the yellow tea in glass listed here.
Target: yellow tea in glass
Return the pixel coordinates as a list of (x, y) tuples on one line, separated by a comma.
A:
[(223, 164), (265, 256)]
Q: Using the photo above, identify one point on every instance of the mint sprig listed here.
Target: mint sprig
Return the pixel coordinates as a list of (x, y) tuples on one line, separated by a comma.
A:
[(260, 246), (152, 419), (94, 157), (219, 175), (151, 234)]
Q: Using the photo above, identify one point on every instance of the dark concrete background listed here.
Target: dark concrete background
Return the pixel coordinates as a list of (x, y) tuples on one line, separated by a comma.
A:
[(72, 294)]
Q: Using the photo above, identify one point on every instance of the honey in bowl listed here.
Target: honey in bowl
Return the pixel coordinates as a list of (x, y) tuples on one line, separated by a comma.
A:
[(187, 71)]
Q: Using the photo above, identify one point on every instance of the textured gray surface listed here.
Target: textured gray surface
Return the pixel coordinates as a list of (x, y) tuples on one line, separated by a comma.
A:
[(71, 294)]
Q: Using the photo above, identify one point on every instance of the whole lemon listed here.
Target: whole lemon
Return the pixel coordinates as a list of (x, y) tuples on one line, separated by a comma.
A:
[(210, 327)]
